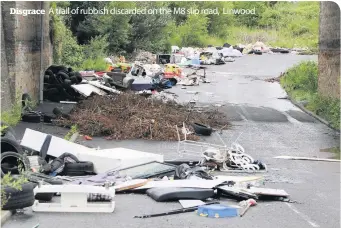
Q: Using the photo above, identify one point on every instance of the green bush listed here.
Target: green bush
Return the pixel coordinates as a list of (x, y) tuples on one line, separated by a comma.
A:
[(98, 47), (191, 33), (72, 53), (12, 116), (8, 181), (327, 108), (97, 64), (301, 77), (301, 83)]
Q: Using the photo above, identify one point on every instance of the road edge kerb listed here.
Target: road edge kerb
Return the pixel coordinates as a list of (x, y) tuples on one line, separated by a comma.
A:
[(5, 215), (312, 114)]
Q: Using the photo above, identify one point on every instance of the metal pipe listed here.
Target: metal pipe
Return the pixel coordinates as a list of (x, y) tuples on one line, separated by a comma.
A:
[(41, 85)]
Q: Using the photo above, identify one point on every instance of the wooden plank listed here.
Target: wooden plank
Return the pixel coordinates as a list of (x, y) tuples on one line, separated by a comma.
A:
[(308, 158), (103, 160), (128, 185)]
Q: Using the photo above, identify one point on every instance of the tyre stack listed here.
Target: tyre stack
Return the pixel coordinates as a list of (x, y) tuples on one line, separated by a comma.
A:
[(57, 84)]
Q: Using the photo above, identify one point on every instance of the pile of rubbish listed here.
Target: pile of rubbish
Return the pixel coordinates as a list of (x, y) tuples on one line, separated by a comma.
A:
[(145, 57), (131, 116), (95, 176), (58, 81)]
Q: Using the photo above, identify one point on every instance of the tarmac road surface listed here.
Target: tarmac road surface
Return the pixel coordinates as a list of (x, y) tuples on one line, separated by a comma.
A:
[(264, 125)]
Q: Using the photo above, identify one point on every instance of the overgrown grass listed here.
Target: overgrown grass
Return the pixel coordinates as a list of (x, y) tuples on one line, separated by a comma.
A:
[(301, 83), (327, 108), (72, 131), (97, 64), (12, 116), (271, 37), (8, 181)]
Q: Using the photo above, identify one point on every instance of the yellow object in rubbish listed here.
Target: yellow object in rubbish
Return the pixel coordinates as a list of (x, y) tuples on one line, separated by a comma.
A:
[(172, 70), (109, 68), (203, 57), (203, 215)]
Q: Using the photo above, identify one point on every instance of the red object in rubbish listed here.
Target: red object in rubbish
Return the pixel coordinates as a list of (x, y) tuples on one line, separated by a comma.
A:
[(100, 73), (87, 137), (249, 203)]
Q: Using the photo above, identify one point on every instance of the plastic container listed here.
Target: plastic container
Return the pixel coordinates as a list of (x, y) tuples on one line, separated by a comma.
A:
[(217, 211)]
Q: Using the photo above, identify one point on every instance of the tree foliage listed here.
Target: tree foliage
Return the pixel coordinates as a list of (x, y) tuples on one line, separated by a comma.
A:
[(80, 36)]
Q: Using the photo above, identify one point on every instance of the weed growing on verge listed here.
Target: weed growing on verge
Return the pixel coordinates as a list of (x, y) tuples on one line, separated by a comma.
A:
[(327, 108), (301, 83), (12, 116), (9, 181), (303, 76), (72, 131)]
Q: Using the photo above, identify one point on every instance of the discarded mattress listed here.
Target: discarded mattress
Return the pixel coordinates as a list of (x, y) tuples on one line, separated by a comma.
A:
[(169, 194)]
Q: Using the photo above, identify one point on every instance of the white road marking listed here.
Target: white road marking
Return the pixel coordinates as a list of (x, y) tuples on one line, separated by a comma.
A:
[(303, 216)]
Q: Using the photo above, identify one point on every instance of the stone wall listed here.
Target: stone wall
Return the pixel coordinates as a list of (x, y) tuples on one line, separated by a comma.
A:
[(21, 51), (329, 50)]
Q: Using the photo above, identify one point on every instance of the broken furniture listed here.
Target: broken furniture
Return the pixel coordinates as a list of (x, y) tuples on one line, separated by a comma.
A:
[(232, 159), (117, 77), (126, 83), (74, 198), (119, 80), (103, 160), (168, 194), (193, 147)]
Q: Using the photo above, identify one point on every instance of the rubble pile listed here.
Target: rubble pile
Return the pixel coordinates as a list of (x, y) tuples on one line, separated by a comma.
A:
[(130, 116), (145, 57)]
